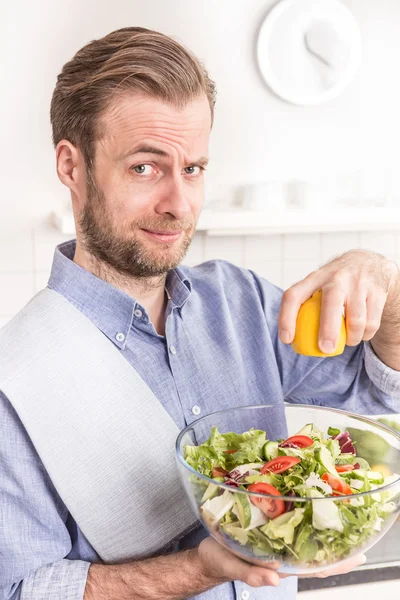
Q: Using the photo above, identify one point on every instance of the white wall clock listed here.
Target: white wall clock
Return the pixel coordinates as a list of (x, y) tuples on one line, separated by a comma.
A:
[(309, 51)]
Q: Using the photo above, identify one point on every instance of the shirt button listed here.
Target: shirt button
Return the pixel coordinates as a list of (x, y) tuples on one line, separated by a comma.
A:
[(120, 337), (245, 595), (196, 410), (138, 313), (172, 349)]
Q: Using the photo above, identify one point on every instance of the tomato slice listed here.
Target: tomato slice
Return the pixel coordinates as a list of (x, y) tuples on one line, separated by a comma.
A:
[(219, 472), (271, 507), (230, 451), (337, 484), (344, 468), (279, 464), (301, 441)]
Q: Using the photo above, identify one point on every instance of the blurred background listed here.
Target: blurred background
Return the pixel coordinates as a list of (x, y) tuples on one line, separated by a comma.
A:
[(304, 150)]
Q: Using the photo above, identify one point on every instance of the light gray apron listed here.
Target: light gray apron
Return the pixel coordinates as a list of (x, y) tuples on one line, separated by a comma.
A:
[(104, 438)]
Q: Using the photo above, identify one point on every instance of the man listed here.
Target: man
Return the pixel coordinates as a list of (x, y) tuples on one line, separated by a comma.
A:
[(131, 116)]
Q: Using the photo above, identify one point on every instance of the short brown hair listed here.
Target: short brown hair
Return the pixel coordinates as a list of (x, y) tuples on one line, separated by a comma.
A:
[(129, 59)]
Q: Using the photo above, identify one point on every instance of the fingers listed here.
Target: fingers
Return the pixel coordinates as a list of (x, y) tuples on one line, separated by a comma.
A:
[(256, 576), (221, 564), (292, 299), (375, 306), (259, 576), (359, 281), (356, 316), (363, 312), (363, 315), (333, 298)]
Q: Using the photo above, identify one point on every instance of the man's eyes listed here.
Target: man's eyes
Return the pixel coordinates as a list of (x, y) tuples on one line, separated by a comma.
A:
[(194, 170), (146, 169), (142, 169)]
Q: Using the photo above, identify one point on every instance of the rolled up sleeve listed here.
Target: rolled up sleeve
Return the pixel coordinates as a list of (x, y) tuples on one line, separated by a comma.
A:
[(62, 580), (385, 378), (38, 560)]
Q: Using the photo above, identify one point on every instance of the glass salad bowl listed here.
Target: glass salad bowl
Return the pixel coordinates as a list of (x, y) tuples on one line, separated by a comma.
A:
[(305, 486)]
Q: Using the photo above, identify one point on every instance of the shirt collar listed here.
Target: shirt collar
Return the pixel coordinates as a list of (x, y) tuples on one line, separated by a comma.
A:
[(109, 308), (178, 286)]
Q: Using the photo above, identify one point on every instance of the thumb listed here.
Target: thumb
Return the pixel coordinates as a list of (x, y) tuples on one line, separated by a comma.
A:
[(258, 576)]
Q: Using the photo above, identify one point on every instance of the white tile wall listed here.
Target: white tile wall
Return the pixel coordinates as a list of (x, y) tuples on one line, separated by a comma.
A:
[(16, 289), (44, 242), (271, 270), (333, 244), (299, 246), (26, 256), (259, 248), (385, 243), (18, 256), (295, 270), (196, 251), (40, 280), (226, 248), (263, 255)]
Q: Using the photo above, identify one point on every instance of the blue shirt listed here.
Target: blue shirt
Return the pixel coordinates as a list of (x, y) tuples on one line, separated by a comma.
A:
[(220, 350)]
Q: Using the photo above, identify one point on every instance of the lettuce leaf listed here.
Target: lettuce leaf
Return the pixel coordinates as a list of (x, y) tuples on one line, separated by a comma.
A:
[(284, 525)]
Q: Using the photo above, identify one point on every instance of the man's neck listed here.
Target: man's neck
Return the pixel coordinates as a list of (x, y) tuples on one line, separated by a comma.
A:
[(149, 292)]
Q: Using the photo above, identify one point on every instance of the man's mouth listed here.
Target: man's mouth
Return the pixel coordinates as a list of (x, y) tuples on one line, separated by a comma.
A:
[(163, 236)]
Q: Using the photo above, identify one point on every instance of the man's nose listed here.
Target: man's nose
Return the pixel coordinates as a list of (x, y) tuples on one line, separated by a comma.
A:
[(174, 199)]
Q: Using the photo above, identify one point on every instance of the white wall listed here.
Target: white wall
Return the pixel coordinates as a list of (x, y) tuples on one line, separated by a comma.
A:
[(256, 136)]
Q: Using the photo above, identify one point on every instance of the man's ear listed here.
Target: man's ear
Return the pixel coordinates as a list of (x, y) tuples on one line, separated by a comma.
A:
[(71, 168)]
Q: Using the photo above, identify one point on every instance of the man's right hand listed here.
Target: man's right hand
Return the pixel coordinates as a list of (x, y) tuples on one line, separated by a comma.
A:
[(221, 565), (218, 561)]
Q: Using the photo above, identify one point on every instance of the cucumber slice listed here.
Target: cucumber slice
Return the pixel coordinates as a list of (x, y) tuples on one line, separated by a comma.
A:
[(362, 462), (311, 431), (324, 457), (387, 495), (270, 450), (356, 484), (306, 430), (376, 497), (212, 490), (373, 476), (357, 474), (243, 509), (264, 478)]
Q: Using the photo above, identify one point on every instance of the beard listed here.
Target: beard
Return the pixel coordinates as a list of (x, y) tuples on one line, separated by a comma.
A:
[(120, 246)]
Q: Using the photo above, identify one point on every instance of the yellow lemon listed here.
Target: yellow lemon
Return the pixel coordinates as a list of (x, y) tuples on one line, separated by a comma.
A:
[(307, 328), (382, 469)]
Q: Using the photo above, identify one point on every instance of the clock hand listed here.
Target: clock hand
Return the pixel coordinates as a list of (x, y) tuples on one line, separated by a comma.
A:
[(314, 53)]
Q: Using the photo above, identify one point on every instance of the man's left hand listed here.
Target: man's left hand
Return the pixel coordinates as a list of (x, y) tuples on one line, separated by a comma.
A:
[(367, 286)]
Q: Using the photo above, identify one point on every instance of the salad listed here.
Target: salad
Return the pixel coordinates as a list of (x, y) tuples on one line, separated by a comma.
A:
[(309, 464)]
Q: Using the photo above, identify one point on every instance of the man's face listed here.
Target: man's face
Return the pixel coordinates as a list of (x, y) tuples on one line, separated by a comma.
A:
[(146, 193)]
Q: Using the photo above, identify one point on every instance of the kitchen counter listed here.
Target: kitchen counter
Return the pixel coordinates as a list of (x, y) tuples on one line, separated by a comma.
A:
[(273, 221)]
